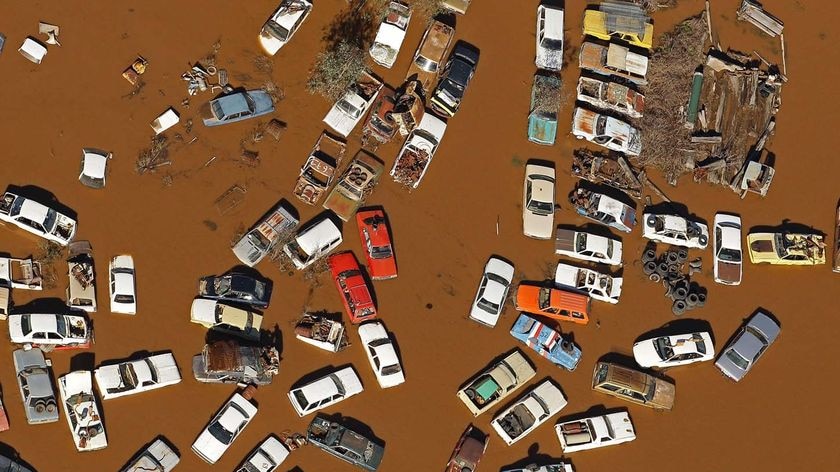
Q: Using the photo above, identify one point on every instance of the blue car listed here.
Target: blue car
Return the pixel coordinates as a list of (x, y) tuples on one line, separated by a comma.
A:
[(548, 342), (545, 101), (239, 106)]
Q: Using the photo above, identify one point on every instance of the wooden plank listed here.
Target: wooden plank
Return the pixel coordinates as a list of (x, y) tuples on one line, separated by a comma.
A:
[(837, 243)]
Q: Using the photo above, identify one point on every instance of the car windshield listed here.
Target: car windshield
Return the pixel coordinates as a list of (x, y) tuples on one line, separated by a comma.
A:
[(49, 221), (663, 348), (601, 125), (274, 29), (61, 325), (128, 377), (220, 433), (426, 64), (758, 335), (25, 325), (609, 249), (349, 109), (553, 44), (258, 240), (301, 400), (581, 242), (380, 252), (124, 298), (737, 359), (487, 305), (217, 110), (729, 255), (545, 298), (391, 369)]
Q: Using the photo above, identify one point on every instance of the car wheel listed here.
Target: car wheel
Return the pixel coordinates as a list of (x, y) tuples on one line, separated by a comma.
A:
[(651, 220), (703, 240)]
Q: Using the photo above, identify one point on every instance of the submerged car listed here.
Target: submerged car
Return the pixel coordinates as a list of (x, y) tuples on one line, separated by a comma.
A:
[(224, 428), (546, 341), (346, 113), (531, 410), (352, 286), (545, 103), (727, 247), (381, 354), (344, 443), (431, 51), (41, 329), (553, 467), (137, 376), (675, 230), (283, 24), (82, 411), (266, 234), (418, 150), (238, 106), (390, 35), (37, 218), (325, 391), (633, 385), (553, 303), (267, 457), (454, 80), (235, 287), (218, 316), (618, 21), (739, 356), (588, 247), (595, 431), (94, 166), (603, 209), (786, 248), (123, 285), (158, 457), (497, 382), (313, 242), (376, 241), (606, 131), (228, 361), (603, 287), (468, 452), (538, 201), (674, 350), (492, 292), (35, 383), (549, 38)]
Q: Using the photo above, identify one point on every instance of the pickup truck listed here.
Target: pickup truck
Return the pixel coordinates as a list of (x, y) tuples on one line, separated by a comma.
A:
[(349, 110), (614, 60), (390, 36), (606, 131), (595, 431), (546, 341), (354, 186), (37, 218), (229, 362), (416, 154), (494, 384), (545, 102), (261, 239), (81, 291), (316, 174), (611, 96)]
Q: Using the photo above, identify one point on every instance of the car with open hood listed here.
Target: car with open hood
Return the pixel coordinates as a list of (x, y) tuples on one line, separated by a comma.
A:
[(344, 443), (235, 287), (598, 285), (675, 230), (495, 383), (37, 218), (283, 24)]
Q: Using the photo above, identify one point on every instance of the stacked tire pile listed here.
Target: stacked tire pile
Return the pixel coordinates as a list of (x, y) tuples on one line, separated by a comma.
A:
[(669, 269)]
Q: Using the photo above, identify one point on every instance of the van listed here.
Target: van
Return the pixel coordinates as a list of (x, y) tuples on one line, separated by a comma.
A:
[(553, 303), (633, 385), (313, 243)]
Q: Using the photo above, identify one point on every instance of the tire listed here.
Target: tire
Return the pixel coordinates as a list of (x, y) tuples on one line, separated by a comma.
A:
[(703, 240), (682, 255), (680, 293), (669, 291), (678, 308), (651, 220), (671, 257), (674, 269), (40, 407), (701, 299), (662, 269), (649, 267), (648, 255), (692, 299), (655, 277)]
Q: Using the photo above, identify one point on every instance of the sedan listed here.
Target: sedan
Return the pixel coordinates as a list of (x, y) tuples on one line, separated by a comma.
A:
[(266, 458), (224, 428), (123, 285), (588, 247), (218, 316), (61, 331), (141, 375), (675, 230), (538, 202), (526, 414), (36, 388), (237, 107), (236, 288), (671, 351), (376, 239), (727, 245), (283, 24), (326, 391), (492, 292), (456, 76), (94, 166), (381, 354), (352, 286), (37, 218), (738, 357), (549, 38)]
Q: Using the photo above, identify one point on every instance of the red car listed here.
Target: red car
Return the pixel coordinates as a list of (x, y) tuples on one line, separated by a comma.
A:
[(468, 452), (355, 293), (376, 240)]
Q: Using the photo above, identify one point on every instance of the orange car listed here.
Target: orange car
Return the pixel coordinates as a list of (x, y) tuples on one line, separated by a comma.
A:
[(376, 240), (553, 303), (352, 286)]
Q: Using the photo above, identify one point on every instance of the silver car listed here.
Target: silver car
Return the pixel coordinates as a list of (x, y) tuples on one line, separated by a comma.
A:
[(738, 357), (35, 385)]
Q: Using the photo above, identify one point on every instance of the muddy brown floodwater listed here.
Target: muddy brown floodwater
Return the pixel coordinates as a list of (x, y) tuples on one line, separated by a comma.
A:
[(781, 417)]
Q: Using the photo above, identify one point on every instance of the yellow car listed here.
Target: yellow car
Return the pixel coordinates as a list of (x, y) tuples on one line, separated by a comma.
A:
[(595, 24), (786, 248)]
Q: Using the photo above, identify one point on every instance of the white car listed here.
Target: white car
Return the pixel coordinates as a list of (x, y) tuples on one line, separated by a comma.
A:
[(381, 354), (538, 202), (390, 36), (122, 285), (603, 287), (141, 375), (492, 292), (219, 316), (158, 457), (326, 391), (82, 412), (224, 428), (588, 247), (94, 167), (549, 38), (526, 414), (37, 218), (727, 245), (62, 331), (595, 431), (675, 230), (267, 457), (283, 24), (606, 131), (418, 150), (674, 350), (346, 113)]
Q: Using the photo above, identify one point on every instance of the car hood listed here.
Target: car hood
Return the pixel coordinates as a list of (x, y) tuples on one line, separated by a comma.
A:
[(209, 447), (537, 226), (663, 395), (645, 353)]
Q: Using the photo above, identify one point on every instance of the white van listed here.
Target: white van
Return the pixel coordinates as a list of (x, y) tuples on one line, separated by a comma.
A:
[(313, 243)]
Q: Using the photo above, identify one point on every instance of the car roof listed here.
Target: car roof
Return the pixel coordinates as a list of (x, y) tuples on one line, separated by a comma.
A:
[(41, 322), (432, 124), (231, 417), (94, 164), (387, 354), (234, 103), (730, 237), (766, 325), (316, 236), (286, 18), (553, 22), (499, 267), (123, 284), (33, 210)]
